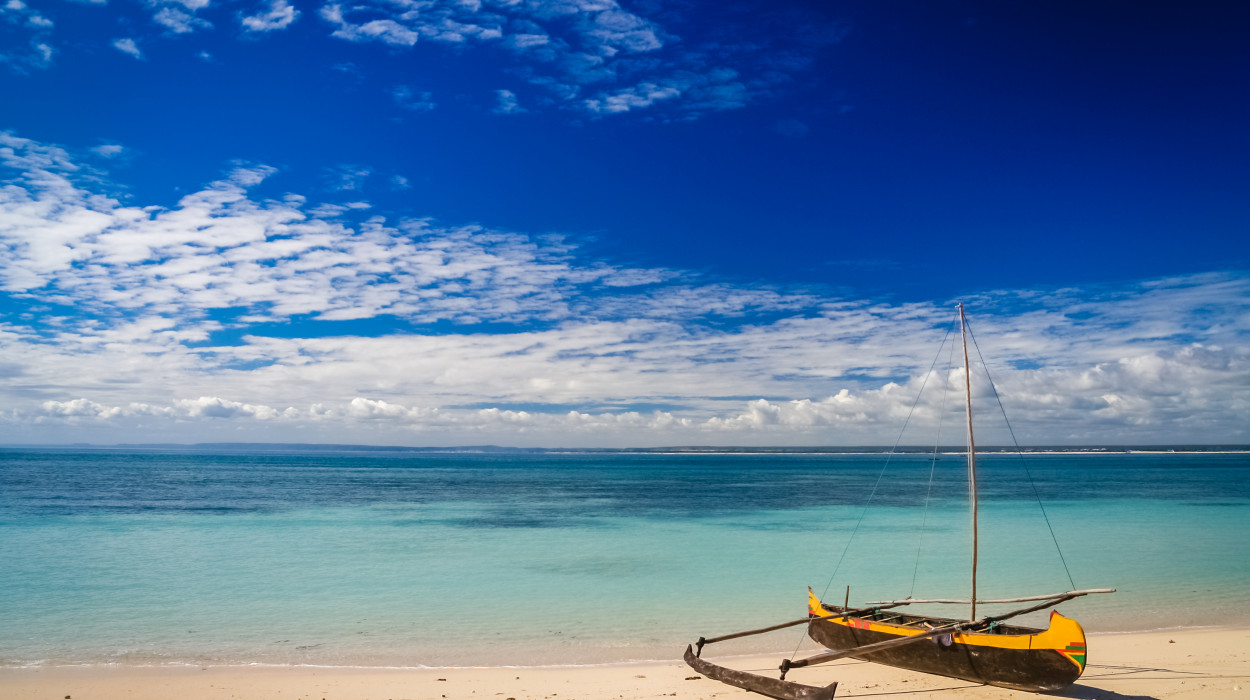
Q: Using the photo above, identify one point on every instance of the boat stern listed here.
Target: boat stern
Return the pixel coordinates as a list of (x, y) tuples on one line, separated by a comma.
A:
[(1065, 636)]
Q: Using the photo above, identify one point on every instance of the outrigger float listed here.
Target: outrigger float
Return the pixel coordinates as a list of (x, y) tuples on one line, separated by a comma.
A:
[(979, 649)]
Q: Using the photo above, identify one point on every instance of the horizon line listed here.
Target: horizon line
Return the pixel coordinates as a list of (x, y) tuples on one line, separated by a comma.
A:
[(756, 449)]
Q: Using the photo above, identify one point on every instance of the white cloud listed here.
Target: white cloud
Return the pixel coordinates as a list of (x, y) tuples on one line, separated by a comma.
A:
[(1194, 391), (134, 299), (219, 249), (42, 53), (371, 409), (78, 408), (597, 56), (16, 11), (1193, 394), (384, 30), (639, 96), (215, 407), (347, 178), (178, 21), (37, 54), (109, 150), (506, 103), (564, 45), (129, 47), (600, 56), (522, 42), (36, 51), (279, 15), (87, 409), (614, 29)]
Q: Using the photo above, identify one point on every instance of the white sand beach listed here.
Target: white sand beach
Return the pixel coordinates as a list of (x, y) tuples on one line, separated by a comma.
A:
[(1190, 663)]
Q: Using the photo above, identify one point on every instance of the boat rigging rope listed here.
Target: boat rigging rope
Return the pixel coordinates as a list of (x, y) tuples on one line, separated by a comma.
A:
[(1020, 455), (889, 457), (884, 467), (924, 520)]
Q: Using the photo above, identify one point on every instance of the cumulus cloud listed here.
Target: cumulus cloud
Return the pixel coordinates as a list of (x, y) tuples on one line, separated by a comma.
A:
[(18, 12), (179, 21), (109, 150), (38, 54), (512, 338), (363, 411), (128, 47), (216, 407), (371, 409), (715, 90), (201, 407), (87, 409), (386, 31), (639, 96), (1148, 398), (506, 103), (597, 56), (35, 51), (564, 48), (219, 248), (279, 14)]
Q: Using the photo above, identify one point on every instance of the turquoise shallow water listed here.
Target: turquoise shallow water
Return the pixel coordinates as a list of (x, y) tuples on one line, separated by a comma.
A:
[(453, 560)]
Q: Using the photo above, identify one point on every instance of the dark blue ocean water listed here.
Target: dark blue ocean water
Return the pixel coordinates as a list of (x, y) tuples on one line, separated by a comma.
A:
[(150, 556)]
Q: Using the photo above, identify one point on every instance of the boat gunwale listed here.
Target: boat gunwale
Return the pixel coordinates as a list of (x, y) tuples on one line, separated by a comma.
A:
[(910, 627)]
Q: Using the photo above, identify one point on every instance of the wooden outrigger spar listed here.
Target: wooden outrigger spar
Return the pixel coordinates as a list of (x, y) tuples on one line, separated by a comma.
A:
[(979, 650)]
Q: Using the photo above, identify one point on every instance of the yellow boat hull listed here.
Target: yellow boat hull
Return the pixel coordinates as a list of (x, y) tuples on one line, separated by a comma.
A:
[(1011, 657)]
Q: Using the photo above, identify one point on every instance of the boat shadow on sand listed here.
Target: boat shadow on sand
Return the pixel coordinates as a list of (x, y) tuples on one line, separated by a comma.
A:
[(1109, 673), (1075, 691), (1086, 692), (1099, 674)]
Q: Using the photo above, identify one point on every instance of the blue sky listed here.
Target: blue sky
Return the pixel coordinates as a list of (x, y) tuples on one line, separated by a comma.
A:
[(584, 222)]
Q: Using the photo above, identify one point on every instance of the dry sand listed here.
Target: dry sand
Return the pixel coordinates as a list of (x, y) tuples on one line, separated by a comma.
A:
[(1194, 663)]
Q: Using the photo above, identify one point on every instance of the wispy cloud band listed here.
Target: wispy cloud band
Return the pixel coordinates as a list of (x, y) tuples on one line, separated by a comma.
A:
[(592, 57), (217, 317)]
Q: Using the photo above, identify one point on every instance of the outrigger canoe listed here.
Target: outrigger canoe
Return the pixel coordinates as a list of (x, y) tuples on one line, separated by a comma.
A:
[(1021, 658), (978, 649)]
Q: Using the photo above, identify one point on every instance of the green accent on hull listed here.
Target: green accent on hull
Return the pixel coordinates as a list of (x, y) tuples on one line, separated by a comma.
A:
[(1075, 652)]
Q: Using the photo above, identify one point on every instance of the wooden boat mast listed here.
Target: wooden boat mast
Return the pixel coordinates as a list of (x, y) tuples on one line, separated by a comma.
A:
[(972, 459)]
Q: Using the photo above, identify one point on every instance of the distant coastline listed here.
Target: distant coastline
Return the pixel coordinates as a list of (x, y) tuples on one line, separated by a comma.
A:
[(669, 450)]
